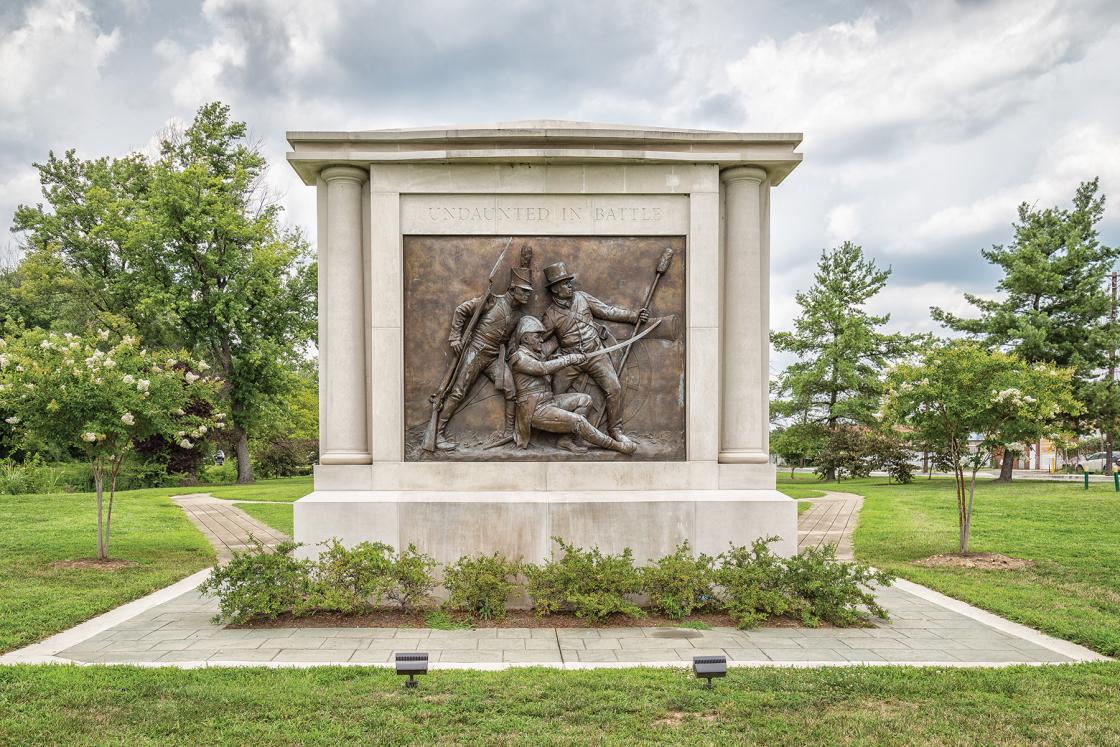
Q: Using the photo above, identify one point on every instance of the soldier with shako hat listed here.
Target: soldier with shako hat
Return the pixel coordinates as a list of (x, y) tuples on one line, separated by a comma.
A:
[(571, 318), (485, 352)]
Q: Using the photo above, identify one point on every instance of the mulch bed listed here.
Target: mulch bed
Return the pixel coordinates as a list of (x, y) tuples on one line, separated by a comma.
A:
[(987, 561), (110, 564), (394, 618)]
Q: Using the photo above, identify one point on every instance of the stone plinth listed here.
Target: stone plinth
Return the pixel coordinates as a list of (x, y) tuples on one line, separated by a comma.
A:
[(382, 193)]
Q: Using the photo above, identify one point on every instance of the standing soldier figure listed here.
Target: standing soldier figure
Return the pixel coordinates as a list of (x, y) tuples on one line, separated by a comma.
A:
[(538, 407), (571, 318), (485, 351)]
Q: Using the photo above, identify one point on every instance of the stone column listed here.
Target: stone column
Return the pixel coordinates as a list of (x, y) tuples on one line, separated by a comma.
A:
[(343, 426), (745, 318)]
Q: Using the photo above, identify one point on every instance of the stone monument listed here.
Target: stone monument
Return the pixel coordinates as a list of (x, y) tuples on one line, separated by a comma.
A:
[(544, 329)]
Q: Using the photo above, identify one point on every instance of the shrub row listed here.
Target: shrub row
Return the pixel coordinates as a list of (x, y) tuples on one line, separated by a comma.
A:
[(751, 584)]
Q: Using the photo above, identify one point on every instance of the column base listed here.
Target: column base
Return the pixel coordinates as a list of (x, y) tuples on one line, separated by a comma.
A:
[(743, 456), (345, 457)]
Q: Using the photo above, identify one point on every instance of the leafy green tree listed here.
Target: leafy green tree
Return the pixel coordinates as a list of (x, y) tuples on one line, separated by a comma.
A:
[(840, 347), (798, 443), (187, 250), (960, 388), (101, 399), (1053, 306)]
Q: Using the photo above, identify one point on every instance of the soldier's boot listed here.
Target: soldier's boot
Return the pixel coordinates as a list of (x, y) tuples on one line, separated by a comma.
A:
[(443, 441), (503, 437), (596, 437), (567, 443), (616, 433)]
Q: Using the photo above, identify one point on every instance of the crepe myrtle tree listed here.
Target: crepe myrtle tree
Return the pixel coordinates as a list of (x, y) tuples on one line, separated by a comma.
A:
[(99, 397), (959, 391)]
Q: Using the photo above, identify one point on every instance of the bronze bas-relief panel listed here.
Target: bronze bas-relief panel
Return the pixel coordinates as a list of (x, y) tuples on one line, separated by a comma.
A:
[(496, 412)]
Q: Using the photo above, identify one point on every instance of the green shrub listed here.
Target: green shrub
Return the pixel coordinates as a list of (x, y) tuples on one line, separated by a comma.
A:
[(753, 584), (258, 583), (591, 584), (285, 457), (350, 579), (481, 586), (30, 476), (412, 579), (832, 591), (679, 584), (217, 474)]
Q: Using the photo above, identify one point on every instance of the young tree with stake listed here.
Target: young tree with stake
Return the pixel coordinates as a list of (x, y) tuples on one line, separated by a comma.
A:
[(958, 389), (85, 394)]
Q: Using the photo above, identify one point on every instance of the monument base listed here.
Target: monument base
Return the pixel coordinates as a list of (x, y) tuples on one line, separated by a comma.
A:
[(450, 524)]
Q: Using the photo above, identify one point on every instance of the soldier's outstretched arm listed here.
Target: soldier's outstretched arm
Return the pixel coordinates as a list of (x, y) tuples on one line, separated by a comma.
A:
[(602, 310)]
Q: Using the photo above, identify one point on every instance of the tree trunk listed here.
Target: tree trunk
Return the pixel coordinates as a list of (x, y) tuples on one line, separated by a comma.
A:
[(98, 482), (1007, 466), (244, 466), (966, 530), (113, 472)]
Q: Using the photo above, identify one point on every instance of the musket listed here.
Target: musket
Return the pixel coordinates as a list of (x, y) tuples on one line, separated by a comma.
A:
[(438, 397), (662, 268)]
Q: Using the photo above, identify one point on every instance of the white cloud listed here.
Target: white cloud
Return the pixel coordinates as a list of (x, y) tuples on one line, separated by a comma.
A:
[(1080, 153), (938, 75), (843, 224), (50, 61)]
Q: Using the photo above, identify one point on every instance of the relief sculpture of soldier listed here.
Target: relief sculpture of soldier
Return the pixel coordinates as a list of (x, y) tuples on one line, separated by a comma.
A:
[(485, 352), (571, 319), (538, 407)]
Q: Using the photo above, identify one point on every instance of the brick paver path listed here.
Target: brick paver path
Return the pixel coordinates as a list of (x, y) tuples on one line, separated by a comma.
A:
[(831, 520), (227, 527)]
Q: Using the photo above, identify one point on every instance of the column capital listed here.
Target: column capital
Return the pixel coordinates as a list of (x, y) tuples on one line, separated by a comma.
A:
[(742, 173), (348, 173)]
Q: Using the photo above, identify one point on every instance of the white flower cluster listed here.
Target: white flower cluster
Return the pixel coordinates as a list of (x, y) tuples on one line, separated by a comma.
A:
[(128, 419)]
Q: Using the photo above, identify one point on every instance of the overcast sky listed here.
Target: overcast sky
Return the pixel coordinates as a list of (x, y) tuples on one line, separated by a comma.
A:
[(925, 123)]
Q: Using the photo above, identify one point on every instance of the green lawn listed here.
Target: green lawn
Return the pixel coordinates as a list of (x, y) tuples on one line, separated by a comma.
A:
[(800, 486), (276, 515), (37, 599), (1073, 537), (284, 490), (1067, 705), (803, 506)]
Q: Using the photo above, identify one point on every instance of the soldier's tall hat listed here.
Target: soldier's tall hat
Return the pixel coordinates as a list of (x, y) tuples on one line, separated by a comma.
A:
[(556, 272), (520, 277)]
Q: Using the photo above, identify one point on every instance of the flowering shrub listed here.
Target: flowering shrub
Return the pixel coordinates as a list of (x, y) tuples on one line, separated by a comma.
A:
[(102, 398)]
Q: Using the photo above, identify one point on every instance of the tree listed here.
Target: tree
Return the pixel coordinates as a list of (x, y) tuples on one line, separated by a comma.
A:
[(188, 251), (841, 351), (960, 388), (1054, 307), (798, 443), (83, 394)]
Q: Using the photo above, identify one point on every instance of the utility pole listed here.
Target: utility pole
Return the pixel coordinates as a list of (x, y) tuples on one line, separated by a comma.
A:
[(1111, 381)]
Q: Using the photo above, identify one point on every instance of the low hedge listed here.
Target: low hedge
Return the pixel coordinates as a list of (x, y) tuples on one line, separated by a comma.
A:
[(751, 584)]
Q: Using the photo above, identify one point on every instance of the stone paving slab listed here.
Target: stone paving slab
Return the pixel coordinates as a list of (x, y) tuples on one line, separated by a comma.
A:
[(177, 632), (830, 520)]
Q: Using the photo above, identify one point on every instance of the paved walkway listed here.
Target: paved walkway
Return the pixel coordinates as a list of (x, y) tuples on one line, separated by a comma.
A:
[(227, 527), (831, 520), (174, 629)]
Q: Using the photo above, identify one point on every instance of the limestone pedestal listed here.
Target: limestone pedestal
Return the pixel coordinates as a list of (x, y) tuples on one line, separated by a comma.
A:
[(552, 179)]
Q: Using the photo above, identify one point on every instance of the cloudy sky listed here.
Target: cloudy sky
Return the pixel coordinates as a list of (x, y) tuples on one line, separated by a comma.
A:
[(925, 123)]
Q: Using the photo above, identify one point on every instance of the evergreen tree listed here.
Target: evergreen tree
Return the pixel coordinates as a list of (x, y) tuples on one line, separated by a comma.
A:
[(1054, 306), (841, 350)]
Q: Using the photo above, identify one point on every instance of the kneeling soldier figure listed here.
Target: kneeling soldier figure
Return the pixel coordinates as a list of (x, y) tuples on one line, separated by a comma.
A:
[(537, 407)]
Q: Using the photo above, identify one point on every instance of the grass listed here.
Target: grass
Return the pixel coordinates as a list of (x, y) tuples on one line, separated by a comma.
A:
[(797, 486), (328, 706), (803, 506), (1071, 591), (281, 490), (38, 599), (276, 515)]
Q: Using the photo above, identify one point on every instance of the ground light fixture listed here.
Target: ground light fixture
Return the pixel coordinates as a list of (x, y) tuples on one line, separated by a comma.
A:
[(707, 667), (411, 663)]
